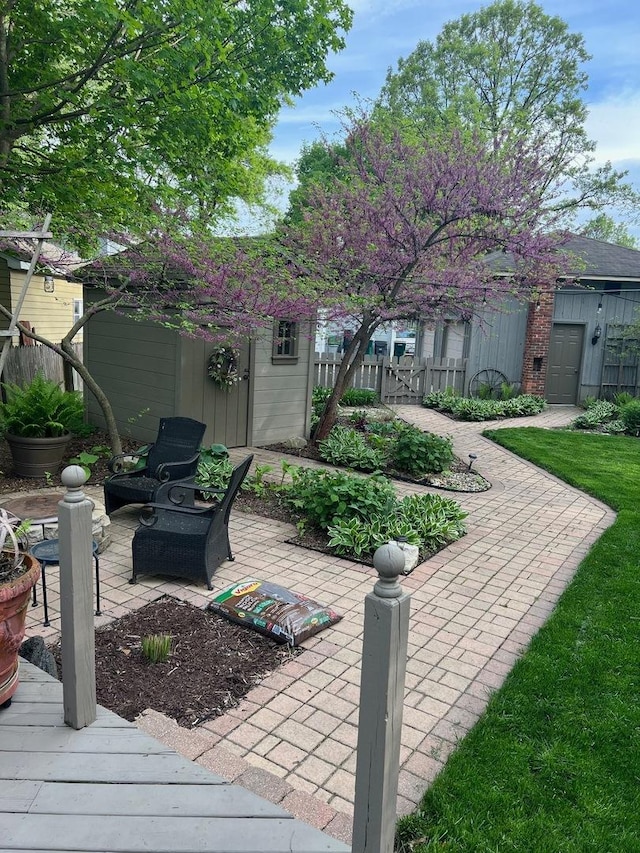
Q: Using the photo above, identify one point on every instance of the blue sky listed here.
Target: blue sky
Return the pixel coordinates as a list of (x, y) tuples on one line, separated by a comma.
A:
[(385, 30)]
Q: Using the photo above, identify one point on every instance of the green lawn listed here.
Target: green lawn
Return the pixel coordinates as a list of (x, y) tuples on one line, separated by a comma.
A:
[(554, 763)]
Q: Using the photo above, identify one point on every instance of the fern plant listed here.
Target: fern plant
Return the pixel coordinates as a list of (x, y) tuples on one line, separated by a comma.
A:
[(41, 409)]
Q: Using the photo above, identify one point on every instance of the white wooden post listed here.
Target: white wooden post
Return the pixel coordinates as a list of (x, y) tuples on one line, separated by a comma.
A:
[(384, 659), (76, 601)]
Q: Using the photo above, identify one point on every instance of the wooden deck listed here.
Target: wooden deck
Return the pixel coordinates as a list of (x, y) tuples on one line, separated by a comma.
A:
[(109, 787)]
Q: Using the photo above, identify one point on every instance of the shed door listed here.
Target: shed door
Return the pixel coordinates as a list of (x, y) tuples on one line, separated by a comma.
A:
[(227, 412), (565, 358)]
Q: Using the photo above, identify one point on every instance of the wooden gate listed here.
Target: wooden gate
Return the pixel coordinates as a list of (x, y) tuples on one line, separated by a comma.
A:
[(398, 381)]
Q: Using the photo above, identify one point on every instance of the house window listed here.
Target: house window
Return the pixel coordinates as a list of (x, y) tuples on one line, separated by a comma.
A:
[(285, 340), (77, 310)]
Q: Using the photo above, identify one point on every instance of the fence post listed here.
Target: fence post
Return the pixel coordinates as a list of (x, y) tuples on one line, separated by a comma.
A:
[(384, 658), (76, 601)]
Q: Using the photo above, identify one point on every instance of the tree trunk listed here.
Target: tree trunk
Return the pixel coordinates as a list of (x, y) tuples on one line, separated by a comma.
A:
[(351, 361), (101, 398)]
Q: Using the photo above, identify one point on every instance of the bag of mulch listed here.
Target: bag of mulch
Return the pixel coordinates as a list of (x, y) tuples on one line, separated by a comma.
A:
[(285, 616)]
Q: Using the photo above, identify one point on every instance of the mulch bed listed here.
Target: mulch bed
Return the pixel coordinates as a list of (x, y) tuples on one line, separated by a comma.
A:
[(9, 482), (212, 666)]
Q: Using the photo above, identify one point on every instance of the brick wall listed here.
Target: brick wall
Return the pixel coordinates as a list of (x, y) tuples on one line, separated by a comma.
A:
[(536, 347)]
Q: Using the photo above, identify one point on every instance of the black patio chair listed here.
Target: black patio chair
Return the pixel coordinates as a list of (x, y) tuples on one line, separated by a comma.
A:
[(173, 456), (186, 541)]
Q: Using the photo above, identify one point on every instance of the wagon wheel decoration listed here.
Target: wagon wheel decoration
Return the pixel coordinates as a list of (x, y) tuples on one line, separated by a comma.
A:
[(487, 384)]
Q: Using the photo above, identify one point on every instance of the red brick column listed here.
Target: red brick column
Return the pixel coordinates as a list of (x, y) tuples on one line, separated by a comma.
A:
[(536, 347)]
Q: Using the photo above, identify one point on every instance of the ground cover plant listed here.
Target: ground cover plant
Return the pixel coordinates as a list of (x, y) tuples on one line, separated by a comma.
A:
[(554, 763), (620, 415), (358, 514), (478, 409)]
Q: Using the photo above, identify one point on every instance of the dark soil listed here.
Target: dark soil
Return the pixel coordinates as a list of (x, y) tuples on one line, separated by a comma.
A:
[(457, 479), (10, 482), (213, 664)]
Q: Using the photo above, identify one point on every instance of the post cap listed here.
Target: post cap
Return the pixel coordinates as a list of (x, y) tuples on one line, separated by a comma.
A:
[(389, 562), (74, 477)]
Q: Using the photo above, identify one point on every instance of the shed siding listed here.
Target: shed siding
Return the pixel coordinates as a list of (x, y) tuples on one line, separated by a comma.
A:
[(281, 393), (135, 365)]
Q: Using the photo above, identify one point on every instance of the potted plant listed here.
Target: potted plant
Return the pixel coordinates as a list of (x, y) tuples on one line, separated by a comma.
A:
[(19, 572), (37, 420)]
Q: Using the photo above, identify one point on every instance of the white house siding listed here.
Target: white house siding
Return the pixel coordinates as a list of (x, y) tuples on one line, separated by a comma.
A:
[(50, 314)]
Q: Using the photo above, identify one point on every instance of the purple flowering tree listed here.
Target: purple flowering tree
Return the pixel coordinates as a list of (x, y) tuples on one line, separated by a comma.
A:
[(403, 230)]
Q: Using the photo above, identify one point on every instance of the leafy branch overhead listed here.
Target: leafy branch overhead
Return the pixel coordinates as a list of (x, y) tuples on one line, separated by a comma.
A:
[(110, 107)]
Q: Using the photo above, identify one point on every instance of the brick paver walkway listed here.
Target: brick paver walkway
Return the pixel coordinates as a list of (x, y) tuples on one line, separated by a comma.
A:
[(475, 606)]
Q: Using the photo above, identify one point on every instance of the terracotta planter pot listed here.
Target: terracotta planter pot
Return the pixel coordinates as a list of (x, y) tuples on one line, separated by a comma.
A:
[(34, 457), (14, 600)]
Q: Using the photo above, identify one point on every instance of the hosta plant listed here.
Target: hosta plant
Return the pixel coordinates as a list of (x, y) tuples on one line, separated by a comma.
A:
[(348, 447)]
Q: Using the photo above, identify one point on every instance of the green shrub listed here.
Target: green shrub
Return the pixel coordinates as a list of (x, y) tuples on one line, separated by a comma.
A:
[(319, 397), (359, 397), (417, 453), (436, 520), (326, 497), (508, 390), (428, 521), (469, 409), (348, 447), (255, 483), (214, 467), (630, 416), (614, 427), (622, 398), (598, 413), (441, 400), (42, 409), (524, 404)]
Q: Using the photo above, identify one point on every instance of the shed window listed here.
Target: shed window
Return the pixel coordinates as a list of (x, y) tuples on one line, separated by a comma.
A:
[(285, 340), (77, 310)]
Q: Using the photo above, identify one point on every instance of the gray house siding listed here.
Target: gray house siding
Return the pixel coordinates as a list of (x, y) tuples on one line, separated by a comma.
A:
[(578, 305), (497, 342)]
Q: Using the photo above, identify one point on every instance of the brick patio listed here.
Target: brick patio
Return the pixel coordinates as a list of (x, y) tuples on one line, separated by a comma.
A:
[(475, 606)]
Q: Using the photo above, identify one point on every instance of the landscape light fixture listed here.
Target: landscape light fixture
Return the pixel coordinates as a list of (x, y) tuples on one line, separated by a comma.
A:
[(600, 307), (472, 459), (597, 333)]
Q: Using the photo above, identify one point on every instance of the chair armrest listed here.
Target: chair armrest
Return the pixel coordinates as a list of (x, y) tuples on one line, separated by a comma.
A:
[(172, 493), (175, 470), (117, 464), (149, 513)]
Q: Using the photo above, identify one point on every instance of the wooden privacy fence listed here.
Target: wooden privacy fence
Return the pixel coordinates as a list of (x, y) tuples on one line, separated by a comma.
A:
[(23, 363), (397, 380)]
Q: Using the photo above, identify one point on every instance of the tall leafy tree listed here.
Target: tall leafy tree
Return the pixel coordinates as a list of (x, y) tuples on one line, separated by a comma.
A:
[(508, 72), (604, 227), (404, 229), (108, 107)]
